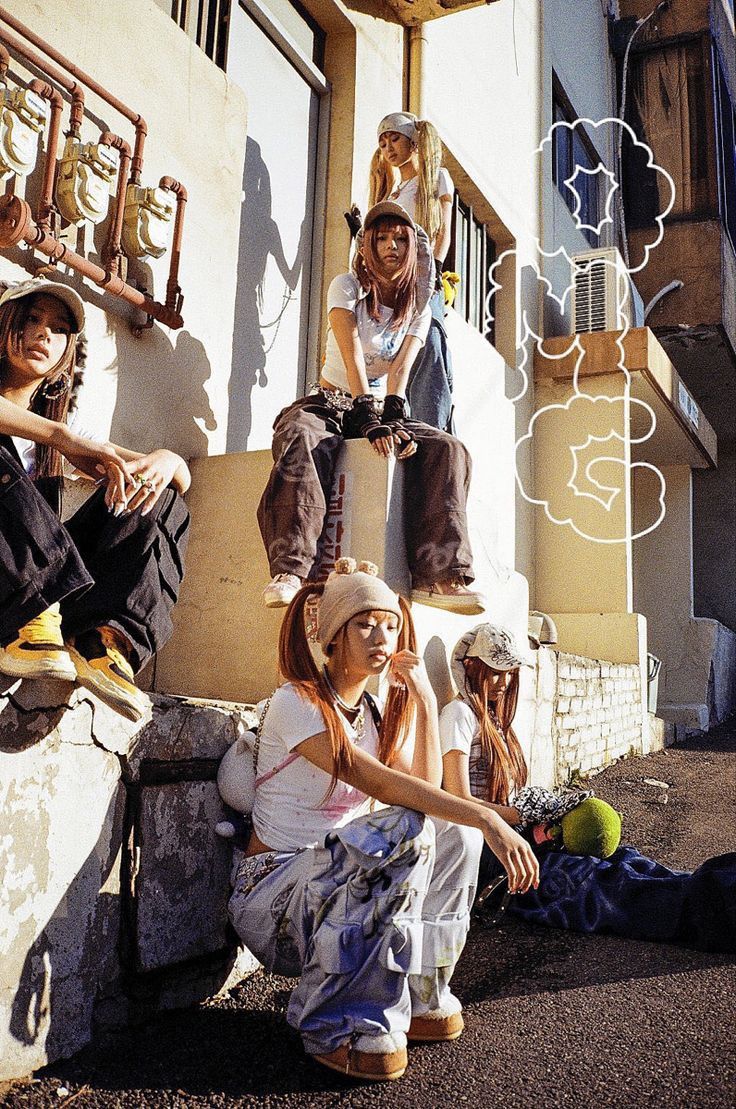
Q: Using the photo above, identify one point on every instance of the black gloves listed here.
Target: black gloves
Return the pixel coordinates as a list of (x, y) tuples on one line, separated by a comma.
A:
[(395, 413), (363, 419), (354, 220)]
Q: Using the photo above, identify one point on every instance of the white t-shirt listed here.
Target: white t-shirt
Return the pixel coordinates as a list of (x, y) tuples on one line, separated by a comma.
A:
[(379, 343), (460, 731), (289, 810), (406, 195), (26, 448)]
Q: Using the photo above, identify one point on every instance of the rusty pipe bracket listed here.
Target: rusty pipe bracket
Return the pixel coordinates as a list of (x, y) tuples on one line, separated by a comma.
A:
[(16, 220)]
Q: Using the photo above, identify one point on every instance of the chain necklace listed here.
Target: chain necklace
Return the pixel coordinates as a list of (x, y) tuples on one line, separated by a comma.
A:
[(357, 722), (402, 184)]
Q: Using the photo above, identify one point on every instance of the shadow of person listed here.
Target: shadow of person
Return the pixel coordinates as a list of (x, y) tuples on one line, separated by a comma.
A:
[(73, 955), (260, 239), (161, 397)]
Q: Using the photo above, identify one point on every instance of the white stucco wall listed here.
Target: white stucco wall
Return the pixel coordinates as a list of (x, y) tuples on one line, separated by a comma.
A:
[(168, 386)]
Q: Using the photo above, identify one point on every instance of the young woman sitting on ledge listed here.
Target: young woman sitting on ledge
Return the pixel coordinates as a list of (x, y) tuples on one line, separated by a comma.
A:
[(368, 906), (89, 600), (378, 318)]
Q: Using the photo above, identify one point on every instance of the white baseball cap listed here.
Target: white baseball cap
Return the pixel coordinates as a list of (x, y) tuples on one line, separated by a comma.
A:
[(492, 644), (64, 293)]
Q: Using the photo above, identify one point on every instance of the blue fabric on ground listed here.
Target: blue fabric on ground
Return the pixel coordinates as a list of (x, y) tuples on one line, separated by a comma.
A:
[(631, 895)]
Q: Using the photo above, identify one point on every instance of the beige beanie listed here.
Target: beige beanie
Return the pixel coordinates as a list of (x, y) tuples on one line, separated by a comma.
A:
[(352, 588)]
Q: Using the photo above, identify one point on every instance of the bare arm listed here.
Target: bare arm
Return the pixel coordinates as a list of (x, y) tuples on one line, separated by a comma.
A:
[(95, 460), (426, 760), (393, 787), (456, 780), (345, 329), (441, 243), (401, 366)]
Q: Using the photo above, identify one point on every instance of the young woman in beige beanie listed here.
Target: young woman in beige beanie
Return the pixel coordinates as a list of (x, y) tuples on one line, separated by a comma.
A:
[(368, 905)]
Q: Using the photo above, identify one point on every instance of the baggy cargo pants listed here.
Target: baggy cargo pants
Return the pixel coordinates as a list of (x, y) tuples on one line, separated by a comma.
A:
[(291, 515), (122, 571), (373, 922)]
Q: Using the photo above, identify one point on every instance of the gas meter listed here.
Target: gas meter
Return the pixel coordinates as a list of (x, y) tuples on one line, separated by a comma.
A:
[(87, 176), (23, 114), (147, 219)]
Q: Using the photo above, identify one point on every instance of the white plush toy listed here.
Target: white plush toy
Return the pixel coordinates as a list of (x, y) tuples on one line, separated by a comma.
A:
[(236, 775)]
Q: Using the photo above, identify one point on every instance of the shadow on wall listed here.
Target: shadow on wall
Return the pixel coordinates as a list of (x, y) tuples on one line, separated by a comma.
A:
[(161, 396), (73, 956), (253, 338)]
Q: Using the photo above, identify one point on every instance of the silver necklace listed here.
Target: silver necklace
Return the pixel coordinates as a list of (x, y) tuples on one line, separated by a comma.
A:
[(357, 722), (402, 184)]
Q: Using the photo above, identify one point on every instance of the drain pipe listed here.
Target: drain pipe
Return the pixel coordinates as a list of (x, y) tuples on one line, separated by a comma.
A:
[(46, 207), (417, 97), (17, 225), (139, 123), (112, 251), (174, 296)]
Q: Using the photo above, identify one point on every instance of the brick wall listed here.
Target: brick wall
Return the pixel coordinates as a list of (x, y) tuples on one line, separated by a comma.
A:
[(597, 713)]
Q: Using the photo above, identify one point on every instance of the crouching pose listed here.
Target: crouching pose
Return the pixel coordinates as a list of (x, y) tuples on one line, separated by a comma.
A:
[(368, 905), (588, 883), (378, 321), (89, 600)]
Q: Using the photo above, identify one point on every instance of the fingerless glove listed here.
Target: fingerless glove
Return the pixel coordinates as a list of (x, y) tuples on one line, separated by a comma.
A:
[(362, 419), (395, 412)]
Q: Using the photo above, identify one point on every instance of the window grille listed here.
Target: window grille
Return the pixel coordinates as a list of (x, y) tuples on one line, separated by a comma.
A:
[(205, 21), (472, 253)]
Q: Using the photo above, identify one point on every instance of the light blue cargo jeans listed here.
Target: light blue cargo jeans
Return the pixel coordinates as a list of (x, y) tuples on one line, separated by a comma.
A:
[(373, 922)]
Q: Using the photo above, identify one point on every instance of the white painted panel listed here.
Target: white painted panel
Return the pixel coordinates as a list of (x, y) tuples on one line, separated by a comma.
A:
[(269, 347)]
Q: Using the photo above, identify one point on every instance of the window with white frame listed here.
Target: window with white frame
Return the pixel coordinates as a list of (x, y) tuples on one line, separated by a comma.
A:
[(472, 253)]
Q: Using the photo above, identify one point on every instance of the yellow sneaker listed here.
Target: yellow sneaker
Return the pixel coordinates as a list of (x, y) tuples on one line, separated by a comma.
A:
[(105, 671), (39, 651)]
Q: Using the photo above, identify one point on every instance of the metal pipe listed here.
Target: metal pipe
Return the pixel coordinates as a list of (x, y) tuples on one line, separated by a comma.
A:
[(174, 296), (112, 252), (17, 225), (141, 127), (46, 207), (4, 62)]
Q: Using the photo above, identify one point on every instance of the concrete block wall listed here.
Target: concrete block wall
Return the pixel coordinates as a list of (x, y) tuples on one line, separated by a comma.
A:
[(597, 714), (113, 883)]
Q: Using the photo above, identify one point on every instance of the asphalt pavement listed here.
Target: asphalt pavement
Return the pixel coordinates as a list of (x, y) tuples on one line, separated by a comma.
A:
[(552, 1018)]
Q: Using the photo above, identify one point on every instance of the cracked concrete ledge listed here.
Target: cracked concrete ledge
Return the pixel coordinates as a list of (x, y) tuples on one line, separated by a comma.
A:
[(114, 885)]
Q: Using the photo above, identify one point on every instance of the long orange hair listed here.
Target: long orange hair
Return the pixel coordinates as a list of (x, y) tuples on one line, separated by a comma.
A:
[(51, 398), (367, 269), (507, 765), (297, 665)]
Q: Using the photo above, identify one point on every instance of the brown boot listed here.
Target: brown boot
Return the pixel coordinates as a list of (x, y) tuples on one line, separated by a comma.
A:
[(369, 1066), (429, 1029)]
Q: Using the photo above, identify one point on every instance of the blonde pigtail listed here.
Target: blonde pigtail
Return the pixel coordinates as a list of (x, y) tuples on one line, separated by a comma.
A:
[(429, 150), (380, 179)]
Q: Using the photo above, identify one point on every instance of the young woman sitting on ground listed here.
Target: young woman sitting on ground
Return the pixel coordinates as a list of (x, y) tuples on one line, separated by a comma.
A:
[(368, 905), (622, 892), (378, 321), (89, 600)]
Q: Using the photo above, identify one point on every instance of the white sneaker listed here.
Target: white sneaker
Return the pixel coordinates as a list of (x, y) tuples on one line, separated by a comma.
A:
[(464, 601), (280, 590)]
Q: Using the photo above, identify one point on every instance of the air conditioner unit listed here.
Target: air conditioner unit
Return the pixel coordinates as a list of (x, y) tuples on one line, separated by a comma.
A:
[(604, 298)]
